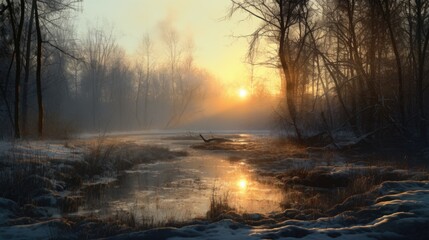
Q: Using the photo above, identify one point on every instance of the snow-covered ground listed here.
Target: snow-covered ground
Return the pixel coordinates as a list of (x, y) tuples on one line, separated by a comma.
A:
[(396, 210), (394, 207)]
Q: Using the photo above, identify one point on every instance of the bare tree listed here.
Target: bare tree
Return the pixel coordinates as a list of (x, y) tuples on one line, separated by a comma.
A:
[(144, 79), (286, 22), (388, 10), (39, 70), (174, 52), (419, 10), (97, 50), (28, 64), (45, 14), (17, 27)]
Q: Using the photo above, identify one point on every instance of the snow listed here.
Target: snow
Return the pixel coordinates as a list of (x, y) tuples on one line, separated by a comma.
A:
[(408, 206), (400, 211), (36, 149), (52, 229), (393, 210), (100, 181), (224, 229), (8, 210)]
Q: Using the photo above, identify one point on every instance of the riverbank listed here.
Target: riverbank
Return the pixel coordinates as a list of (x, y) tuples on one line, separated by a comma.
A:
[(325, 193)]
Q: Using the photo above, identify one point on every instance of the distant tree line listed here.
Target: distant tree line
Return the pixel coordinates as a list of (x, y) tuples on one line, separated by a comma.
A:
[(52, 82), (347, 65)]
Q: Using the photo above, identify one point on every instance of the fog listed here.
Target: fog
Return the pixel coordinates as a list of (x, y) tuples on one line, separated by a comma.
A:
[(93, 82), (105, 90)]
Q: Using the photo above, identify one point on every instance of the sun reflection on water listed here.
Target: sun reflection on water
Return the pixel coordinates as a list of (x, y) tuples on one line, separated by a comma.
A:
[(242, 184), (182, 190)]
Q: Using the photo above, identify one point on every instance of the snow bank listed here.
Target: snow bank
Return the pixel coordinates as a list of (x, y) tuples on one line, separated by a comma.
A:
[(53, 229), (8, 209), (224, 229), (401, 211), (398, 210), (40, 150)]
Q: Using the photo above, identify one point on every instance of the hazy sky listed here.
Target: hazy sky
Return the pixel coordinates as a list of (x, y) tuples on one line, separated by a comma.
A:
[(201, 20)]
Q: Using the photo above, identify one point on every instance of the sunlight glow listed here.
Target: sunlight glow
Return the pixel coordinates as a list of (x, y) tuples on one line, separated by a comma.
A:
[(242, 184), (242, 93)]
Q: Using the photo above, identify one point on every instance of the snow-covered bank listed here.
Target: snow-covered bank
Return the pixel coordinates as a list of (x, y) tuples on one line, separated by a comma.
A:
[(396, 210), (42, 182), (325, 195)]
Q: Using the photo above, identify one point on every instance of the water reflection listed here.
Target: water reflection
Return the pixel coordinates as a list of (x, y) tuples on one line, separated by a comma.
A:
[(180, 190), (242, 184)]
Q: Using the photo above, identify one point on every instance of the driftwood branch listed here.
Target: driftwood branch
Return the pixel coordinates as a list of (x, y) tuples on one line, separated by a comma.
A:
[(215, 140)]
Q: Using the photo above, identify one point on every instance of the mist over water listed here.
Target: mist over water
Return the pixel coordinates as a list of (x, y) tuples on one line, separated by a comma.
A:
[(181, 190)]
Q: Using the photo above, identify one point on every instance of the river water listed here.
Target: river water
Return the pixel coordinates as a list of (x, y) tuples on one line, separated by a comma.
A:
[(181, 189)]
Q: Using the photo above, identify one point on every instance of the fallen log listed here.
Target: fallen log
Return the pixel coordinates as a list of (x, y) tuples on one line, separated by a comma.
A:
[(215, 140)]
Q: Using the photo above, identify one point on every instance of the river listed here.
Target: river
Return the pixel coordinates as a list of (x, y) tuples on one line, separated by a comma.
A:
[(181, 189)]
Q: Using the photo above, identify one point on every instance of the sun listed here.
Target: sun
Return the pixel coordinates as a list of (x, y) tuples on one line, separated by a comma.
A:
[(242, 93)]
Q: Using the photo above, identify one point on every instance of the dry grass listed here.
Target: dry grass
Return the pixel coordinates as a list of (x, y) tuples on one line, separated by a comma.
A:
[(219, 204), (96, 160), (107, 156), (15, 175)]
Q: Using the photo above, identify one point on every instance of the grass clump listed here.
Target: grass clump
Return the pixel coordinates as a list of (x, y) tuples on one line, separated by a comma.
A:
[(96, 161), (219, 205), (20, 180)]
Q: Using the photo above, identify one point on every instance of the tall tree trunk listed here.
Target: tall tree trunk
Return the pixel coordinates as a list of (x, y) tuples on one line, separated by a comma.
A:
[(4, 91), (289, 80), (370, 115), (290, 86), (17, 33), (411, 62), (146, 95), (27, 73), (39, 72), (420, 90), (138, 97), (422, 43), (387, 18)]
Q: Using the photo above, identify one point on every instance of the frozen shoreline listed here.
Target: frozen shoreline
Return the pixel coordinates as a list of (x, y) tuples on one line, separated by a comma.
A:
[(397, 208)]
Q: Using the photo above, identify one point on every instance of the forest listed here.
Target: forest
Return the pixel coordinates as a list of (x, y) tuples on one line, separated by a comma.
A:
[(356, 66), (325, 136)]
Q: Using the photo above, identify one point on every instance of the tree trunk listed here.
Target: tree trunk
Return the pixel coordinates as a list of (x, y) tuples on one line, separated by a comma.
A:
[(138, 97), (146, 95), (387, 17), (421, 42), (38, 72), (286, 69), (289, 85), (27, 73), (17, 33)]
